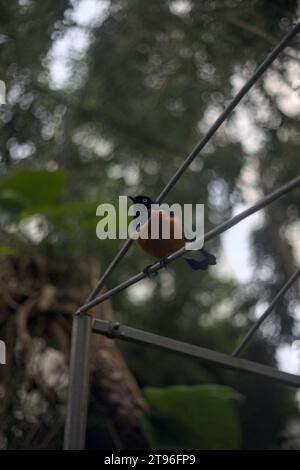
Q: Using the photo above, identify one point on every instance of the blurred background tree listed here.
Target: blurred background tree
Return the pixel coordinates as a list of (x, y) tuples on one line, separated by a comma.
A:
[(105, 99)]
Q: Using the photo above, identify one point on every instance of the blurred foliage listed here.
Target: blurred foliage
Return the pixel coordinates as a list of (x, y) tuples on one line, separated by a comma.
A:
[(152, 78), (198, 417)]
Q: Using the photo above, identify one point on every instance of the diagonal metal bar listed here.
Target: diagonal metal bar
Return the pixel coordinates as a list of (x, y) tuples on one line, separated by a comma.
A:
[(245, 341), (197, 149), (208, 236), (115, 330)]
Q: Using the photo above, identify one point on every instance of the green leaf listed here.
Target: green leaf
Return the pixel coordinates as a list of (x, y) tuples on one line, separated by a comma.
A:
[(36, 187), (77, 208), (11, 201), (201, 416)]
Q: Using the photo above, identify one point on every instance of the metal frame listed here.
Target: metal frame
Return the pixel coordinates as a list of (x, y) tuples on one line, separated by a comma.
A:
[(134, 335), (78, 393), (200, 146), (295, 183), (247, 338), (84, 325)]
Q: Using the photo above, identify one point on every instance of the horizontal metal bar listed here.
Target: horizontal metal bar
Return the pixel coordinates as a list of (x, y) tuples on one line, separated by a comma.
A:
[(247, 338), (265, 201), (116, 330), (197, 149)]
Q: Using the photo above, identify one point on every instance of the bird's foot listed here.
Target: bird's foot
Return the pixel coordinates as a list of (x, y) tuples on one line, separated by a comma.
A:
[(148, 272), (163, 263)]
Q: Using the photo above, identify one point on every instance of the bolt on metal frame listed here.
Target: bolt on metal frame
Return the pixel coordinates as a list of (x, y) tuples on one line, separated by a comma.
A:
[(84, 325)]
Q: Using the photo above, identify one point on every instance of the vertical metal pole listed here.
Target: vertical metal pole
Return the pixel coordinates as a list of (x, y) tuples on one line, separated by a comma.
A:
[(79, 373)]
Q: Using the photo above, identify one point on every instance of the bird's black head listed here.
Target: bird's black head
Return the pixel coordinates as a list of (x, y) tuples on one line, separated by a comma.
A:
[(147, 201)]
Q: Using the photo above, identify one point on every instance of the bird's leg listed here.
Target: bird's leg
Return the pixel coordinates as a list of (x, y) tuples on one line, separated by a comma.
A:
[(163, 263), (148, 272)]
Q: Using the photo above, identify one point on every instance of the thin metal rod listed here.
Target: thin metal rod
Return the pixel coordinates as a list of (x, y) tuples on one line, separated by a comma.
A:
[(197, 149), (208, 236), (115, 330), (78, 392), (245, 341), (119, 256), (228, 110)]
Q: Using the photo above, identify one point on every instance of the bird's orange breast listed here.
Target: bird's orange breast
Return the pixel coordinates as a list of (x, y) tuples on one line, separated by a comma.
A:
[(160, 247)]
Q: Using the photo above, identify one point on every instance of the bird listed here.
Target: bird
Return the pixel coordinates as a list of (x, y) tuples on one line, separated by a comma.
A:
[(160, 247)]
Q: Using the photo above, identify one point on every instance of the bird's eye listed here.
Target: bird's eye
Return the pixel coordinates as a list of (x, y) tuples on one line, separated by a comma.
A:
[(144, 200)]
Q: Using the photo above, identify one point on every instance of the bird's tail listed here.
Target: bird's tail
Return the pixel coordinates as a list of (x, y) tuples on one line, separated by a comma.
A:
[(200, 259)]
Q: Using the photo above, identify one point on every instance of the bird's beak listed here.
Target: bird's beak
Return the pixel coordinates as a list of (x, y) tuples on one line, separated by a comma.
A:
[(132, 198)]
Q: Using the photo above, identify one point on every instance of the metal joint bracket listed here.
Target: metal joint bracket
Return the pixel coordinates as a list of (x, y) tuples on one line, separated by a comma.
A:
[(113, 328)]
